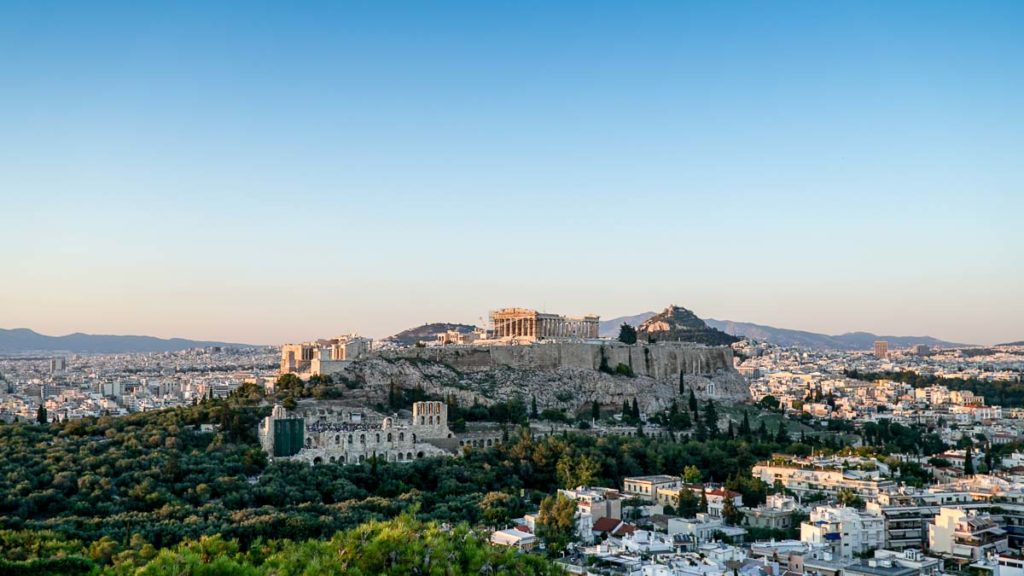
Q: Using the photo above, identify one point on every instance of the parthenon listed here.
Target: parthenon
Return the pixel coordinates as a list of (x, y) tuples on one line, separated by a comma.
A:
[(530, 325)]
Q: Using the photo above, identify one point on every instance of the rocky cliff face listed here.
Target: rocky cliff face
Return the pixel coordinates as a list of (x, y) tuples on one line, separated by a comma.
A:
[(567, 376)]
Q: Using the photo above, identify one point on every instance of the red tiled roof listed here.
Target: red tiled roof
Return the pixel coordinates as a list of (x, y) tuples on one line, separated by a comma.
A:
[(605, 524)]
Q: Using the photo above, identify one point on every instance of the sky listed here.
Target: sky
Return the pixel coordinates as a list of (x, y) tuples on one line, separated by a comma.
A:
[(268, 172)]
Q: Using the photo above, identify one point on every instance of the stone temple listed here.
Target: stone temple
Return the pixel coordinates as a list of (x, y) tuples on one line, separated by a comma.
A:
[(523, 324)]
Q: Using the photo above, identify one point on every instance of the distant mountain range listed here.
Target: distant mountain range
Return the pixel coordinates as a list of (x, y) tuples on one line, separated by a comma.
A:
[(23, 340), (786, 337)]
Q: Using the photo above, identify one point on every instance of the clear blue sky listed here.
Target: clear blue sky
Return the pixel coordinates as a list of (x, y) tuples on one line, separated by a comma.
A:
[(268, 172)]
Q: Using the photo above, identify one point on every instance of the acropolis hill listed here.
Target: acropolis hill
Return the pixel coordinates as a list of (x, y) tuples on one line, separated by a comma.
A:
[(527, 356)]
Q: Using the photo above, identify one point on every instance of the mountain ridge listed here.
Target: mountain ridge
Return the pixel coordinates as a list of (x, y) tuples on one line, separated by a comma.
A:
[(23, 340), (848, 341)]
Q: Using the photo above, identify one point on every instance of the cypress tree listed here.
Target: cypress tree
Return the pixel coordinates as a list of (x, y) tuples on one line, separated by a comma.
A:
[(745, 425), (533, 408), (693, 402), (968, 461), (41, 414), (595, 410), (636, 410)]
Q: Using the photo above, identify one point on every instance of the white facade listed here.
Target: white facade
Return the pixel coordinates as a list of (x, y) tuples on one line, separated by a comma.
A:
[(843, 530)]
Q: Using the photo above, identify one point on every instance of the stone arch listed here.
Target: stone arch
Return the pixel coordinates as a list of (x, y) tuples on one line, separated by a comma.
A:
[(488, 442), (378, 437), (408, 456), (333, 459), (401, 457), (318, 460), (362, 458), (362, 440), (419, 454), (390, 439), (430, 420), (349, 438), (401, 436), (337, 438)]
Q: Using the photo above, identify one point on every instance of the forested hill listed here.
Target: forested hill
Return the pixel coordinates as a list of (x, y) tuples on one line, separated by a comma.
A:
[(428, 333)]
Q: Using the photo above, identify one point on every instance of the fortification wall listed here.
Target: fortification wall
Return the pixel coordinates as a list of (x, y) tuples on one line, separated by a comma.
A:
[(660, 361)]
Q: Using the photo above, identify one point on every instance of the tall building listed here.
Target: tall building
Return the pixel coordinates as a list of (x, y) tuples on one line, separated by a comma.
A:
[(58, 364), (881, 349)]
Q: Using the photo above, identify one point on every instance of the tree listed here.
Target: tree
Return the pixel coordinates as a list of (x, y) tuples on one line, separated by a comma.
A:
[(556, 523), (533, 408), (682, 382), (627, 334), (41, 414), (730, 513), (686, 503), (769, 402), (745, 429), (636, 410), (595, 410), (711, 418), (691, 474), (693, 402), (782, 436), (703, 506), (968, 461)]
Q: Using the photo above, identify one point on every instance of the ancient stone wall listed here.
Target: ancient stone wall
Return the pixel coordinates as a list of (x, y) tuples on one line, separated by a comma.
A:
[(660, 361)]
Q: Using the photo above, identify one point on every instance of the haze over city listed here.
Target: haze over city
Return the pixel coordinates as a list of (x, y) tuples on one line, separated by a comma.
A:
[(255, 172)]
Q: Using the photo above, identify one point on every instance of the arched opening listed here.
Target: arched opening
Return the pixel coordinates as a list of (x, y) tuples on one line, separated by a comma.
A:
[(378, 438), (337, 438), (389, 436), (401, 436), (332, 459), (362, 440), (408, 456), (401, 457), (318, 460), (419, 454), (488, 442), (362, 458), (349, 438), (309, 442), (430, 420)]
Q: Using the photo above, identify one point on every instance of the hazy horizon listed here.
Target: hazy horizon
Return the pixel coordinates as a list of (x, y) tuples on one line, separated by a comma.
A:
[(265, 173)]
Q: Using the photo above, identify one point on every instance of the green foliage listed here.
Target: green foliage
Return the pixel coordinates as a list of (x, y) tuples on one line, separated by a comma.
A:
[(1008, 393), (555, 522), (401, 546), (769, 402), (624, 370), (627, 334)]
